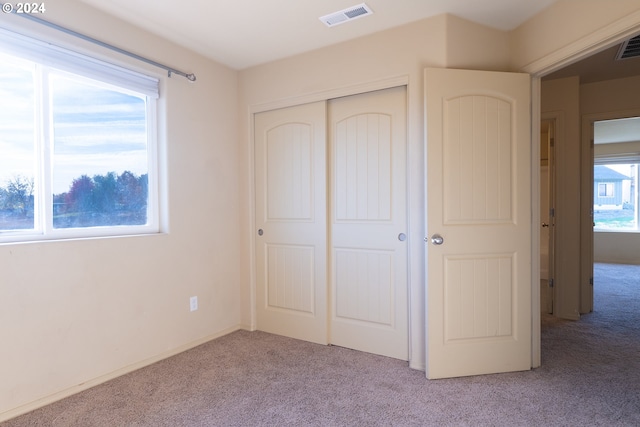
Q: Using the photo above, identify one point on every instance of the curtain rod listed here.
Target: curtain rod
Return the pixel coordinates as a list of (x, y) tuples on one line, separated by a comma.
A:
[(7, 8)]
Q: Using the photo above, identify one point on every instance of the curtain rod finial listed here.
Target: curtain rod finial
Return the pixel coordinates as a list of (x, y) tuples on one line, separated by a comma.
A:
[(191, 77)]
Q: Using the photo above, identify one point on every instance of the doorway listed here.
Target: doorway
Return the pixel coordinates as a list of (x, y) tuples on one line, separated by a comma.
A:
[(615, 164), (574, 222), (560, 61)]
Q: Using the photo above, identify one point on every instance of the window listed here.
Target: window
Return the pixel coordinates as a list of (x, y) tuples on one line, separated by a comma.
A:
[(77, 145), (605, 189), (615, 204)]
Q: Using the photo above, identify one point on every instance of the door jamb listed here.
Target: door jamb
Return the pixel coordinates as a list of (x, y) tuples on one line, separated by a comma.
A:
[(536, 85), (557, 118)]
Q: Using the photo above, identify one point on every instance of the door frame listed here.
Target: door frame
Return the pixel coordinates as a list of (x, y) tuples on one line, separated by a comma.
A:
[(601, 39)]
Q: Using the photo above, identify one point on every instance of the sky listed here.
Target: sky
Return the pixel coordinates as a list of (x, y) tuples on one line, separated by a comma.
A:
[(95, 129)]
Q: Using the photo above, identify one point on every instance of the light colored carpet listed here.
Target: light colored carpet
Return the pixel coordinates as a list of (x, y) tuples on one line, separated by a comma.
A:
[(590, 376)]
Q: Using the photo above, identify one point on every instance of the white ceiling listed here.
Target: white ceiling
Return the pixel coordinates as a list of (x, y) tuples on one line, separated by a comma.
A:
[(244, 33)]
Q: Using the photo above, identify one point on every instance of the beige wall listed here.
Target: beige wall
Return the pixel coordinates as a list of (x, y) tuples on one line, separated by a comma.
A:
[(621, 248), (610, 97), (79, 311), (347, 68), (475, 47), (608, 100)]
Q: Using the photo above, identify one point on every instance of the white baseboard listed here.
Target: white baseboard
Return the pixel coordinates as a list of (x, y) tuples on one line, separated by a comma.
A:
[(23, 409), (418, 366)]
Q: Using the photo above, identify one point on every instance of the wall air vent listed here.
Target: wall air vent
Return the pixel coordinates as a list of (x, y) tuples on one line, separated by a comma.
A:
[(346, 15), (629, 49)]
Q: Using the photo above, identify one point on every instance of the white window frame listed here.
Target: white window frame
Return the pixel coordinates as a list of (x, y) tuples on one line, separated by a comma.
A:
[(82, 68)]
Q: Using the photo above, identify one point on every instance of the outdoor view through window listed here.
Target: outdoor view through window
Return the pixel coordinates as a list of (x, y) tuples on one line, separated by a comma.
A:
[(73, 151), (615, 196), (615, 174)]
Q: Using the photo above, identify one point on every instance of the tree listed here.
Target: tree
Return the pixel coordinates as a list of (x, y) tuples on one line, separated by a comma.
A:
[(132, 192), (103, 200), (17, 195), (80, 196), (105, 193)]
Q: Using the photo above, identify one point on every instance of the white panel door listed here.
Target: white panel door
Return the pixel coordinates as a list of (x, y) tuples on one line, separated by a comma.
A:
[(478, 222), (368, 222), (291, 222)]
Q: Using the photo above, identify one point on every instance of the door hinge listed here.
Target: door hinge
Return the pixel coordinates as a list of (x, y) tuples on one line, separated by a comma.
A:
[(551, 283), (591, 281), (552, 142), (552, 212)]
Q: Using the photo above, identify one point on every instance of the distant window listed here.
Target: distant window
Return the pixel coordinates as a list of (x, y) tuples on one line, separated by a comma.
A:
[(615, 205), (77, 146), (605, 189)]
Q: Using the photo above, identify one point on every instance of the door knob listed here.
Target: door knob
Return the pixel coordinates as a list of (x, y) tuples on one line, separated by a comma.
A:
[(544, 224), (260, 232), (437, 239), (402, 237)]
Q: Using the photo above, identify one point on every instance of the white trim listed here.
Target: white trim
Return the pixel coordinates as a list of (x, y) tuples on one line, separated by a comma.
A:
[(586, 46), (253, 316), (536, 349)]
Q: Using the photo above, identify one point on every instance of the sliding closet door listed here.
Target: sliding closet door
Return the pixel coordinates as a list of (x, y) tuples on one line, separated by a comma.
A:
[(291, 222), (368, 222)]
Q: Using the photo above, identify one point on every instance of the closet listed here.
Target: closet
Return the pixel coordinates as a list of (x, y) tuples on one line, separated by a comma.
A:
[(331, 222)]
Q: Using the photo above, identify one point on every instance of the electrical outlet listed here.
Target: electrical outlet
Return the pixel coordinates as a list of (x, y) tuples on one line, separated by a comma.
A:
[(193, 303)]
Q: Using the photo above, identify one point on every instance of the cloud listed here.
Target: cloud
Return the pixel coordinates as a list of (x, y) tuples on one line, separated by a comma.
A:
[(16, 159), (96, 129)]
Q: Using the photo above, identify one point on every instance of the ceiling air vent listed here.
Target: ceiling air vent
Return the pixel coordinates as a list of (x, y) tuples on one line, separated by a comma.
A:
[(629, 49), (346, 15)]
